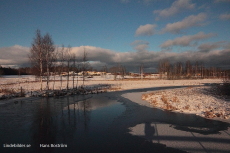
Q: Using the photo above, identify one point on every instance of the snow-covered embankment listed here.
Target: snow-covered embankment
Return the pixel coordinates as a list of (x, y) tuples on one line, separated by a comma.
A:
[(194, 100)]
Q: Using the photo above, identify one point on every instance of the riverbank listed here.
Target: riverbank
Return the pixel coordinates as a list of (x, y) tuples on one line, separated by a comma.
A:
[(202, 101), (183, 131), (194, 100)]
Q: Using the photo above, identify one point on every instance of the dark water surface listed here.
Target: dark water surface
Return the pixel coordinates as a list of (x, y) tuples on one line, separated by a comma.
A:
[(92, 123)]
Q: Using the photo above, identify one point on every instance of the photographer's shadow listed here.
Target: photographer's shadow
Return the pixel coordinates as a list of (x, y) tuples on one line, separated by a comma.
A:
[(150, 131)]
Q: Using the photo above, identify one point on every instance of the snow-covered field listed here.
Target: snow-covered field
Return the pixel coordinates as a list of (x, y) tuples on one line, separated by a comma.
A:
[(30, 83), (195, 100)]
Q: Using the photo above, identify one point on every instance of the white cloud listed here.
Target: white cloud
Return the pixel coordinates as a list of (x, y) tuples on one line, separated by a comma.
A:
[(186, 40), (187, 22), (225, 16), (15, 55), (145, 30), (175, 8)]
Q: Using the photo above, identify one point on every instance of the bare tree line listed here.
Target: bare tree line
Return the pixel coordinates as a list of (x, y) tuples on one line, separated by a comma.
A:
[(187, 70), (117, 70), (46, 58)]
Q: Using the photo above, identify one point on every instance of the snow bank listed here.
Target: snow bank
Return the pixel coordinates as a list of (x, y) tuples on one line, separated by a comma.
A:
[(194, 100)]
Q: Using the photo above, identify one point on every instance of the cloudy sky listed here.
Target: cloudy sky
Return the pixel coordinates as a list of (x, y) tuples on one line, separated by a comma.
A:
[(126, 32)]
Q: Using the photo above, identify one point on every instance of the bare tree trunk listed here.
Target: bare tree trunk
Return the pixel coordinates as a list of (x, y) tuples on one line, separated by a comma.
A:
[(68, 58), (41, 69), (54, 81), (47, 71), (77, 80), (55, 66), (84, 66), (141, 71), (74, 67), (67, 85), (62, 60)]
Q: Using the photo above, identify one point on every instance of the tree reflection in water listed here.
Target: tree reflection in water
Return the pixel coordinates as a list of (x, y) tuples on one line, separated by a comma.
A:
[(44, 126), (51, 127)]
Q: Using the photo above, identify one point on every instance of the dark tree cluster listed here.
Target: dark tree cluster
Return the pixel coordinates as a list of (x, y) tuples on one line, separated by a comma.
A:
[(14, 71)]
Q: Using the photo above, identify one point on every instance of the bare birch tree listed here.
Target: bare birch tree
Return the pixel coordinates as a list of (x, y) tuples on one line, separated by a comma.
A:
[(55, 65), (85, 65), (73, 58), (49, 56), (36, 55), (61, 59), (41, 55), (68, 59)]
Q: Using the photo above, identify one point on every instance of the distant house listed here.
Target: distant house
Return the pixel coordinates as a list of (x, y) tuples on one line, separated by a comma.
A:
[(155, 75), (64, 73), (134, 74), (94, 73)]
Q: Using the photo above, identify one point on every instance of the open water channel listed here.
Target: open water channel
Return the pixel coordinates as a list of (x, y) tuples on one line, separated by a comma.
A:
[(89, 123)]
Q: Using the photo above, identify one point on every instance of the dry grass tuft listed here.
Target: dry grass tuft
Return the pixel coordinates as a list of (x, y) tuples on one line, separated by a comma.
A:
[(175, 99), (144, 96), (187, 107), (170, 107), (114, 89), (209, 114), (154, 101), (164, 99), (8, 91)]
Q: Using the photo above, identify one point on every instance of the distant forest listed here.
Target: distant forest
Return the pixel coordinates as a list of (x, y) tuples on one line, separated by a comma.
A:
[(14, 71)]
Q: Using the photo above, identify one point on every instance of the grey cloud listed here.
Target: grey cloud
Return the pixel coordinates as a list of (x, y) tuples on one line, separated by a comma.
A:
[(207, 47), (176, 7), (99, 57), (186, 40), (227, 45), (225, 17), (145, 30), (219, 1), (190, 21), (140, 45), (137, 42)]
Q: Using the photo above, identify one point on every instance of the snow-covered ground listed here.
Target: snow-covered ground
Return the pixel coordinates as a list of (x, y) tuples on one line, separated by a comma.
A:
[(30, 83), (195, 100)]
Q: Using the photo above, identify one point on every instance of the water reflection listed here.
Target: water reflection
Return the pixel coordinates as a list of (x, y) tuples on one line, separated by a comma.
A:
[(87, 123), (44, 127), (69, 120)]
